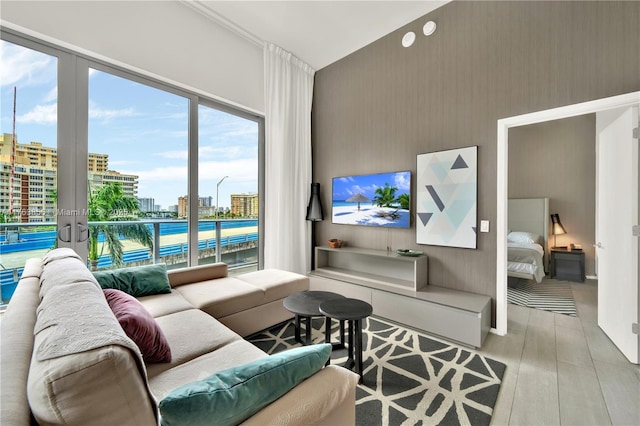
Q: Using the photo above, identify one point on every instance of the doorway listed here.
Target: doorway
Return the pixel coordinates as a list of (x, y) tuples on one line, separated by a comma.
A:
[(503, 125)]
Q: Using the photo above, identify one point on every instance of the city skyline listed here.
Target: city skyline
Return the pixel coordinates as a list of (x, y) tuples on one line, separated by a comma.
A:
[(143, 130)]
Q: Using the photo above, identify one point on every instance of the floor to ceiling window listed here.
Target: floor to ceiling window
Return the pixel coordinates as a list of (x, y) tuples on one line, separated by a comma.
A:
[(138, 142), (128, 157), (228, 176), (28, 159)]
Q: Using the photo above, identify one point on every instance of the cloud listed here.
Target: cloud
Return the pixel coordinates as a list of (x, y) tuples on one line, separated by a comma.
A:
[(25, 67), (52, 95), (358, 189), (48, 114), (41, 114), (221, 126), (228, 153), (118, 163), (241, 170), (106, 115), (171, 116), (403, 181), (173, 155), (346, 179)]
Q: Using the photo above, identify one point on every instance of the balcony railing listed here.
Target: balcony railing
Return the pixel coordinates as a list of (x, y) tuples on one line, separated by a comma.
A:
[(233, 241)]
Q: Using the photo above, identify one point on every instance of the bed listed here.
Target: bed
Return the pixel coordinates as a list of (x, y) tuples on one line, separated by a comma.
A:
[(527, 239)]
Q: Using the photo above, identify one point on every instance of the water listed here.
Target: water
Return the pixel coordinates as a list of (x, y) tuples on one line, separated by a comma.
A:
[(36, 244)]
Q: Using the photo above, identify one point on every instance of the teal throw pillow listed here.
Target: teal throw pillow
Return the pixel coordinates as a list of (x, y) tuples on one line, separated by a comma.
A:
[(230, 396), (137, 281)]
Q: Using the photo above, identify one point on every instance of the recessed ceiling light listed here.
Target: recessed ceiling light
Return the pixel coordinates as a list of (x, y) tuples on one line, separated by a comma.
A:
[(429, 28), (408, 39)]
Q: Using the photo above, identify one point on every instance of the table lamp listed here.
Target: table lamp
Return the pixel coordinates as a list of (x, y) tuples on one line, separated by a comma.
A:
[(556, 228)]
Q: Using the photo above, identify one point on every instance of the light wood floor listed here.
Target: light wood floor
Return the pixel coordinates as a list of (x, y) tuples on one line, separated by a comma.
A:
[(563, 370)]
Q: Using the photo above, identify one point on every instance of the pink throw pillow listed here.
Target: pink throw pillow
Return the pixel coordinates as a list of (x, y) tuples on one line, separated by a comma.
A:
[(139, 325)]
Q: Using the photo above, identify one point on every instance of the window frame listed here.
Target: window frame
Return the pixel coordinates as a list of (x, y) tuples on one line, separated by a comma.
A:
[(73, 123)]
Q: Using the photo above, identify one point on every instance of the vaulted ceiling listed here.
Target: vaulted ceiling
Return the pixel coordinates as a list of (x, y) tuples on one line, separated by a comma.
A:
[(318, 32)]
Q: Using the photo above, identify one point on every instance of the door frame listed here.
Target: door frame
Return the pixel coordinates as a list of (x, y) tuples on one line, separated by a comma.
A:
[(504, 124)]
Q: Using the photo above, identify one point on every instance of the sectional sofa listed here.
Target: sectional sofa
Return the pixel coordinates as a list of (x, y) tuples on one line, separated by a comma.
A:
[(67, 360)]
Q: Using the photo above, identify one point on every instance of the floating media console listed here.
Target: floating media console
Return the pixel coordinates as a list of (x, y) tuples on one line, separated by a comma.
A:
[(374, 268), (396, 287)]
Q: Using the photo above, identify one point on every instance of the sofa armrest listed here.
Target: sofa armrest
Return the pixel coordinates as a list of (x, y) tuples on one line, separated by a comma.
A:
[(326, 398), (17, 345), (195, 274)]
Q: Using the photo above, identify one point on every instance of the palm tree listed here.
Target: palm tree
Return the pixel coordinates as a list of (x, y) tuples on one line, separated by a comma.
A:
[(385, 196), (110, 203), (403, 199)]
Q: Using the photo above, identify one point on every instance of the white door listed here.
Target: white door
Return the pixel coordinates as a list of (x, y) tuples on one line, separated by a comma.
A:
[(616, 214)]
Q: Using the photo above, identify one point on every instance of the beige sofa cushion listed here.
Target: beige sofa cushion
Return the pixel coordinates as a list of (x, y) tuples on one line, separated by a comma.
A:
[(222, 296), (308, 404), (165, 304), (100, 386), (196, 274), (230, 355), (190, 334), (275, 283)]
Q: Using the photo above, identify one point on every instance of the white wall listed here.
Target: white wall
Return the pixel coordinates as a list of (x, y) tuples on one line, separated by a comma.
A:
[(162, 38)]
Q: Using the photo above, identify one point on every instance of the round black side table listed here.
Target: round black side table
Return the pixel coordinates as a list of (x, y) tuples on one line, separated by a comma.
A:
[(305, 305), (353, 311)]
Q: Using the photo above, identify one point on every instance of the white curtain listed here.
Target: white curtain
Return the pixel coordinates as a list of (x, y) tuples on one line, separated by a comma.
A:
[(288, 95)]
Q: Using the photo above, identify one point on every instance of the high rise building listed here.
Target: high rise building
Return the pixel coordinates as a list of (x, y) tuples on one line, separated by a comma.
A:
[(205, 208), (35, 179), (244, 205), (183, 206), (147, 204), (205, 201)]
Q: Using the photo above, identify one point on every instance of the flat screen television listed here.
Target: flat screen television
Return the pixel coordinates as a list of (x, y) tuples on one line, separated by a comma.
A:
[(381, 199)]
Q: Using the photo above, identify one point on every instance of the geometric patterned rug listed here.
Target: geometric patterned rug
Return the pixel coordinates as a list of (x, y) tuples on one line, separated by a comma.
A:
[(409, 378), (549, 295)]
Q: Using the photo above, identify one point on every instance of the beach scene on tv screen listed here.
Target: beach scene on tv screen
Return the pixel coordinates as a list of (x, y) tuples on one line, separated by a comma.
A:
[(380, 199)]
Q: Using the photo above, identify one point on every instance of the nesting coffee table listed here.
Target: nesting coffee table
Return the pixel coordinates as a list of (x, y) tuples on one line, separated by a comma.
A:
[(306, 305), (353, 311)]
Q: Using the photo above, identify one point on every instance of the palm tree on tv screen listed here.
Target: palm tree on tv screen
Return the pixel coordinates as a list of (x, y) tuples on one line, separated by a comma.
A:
[(108, 204), (403, 199), (386, 196)]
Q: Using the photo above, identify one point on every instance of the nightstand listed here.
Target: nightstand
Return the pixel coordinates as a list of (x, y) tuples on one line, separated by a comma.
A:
[(567, 265)]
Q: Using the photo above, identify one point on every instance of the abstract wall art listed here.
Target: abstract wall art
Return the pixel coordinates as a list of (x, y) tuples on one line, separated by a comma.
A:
[(446, 198)]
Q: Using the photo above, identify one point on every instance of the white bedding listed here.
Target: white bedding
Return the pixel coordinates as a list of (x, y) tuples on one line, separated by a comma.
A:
[(526, 258)]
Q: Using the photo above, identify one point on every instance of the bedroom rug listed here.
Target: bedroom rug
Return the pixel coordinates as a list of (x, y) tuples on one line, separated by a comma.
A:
[(409, 378), (549, 295)]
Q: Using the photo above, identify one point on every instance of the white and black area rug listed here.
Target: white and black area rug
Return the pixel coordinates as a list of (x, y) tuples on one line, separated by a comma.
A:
[(549, 295), (409, 378)]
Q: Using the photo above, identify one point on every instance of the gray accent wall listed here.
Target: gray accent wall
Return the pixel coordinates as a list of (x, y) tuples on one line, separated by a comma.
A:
[(376, 109), (557, 160)]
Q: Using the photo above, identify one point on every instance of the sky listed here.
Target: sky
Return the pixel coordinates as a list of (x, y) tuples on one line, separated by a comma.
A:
[(144, 130), (347, 186)]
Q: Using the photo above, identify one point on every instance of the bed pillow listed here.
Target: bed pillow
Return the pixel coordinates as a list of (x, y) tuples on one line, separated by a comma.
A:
[(523, 237), (139, 325), (137, 281), (230, 396)]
